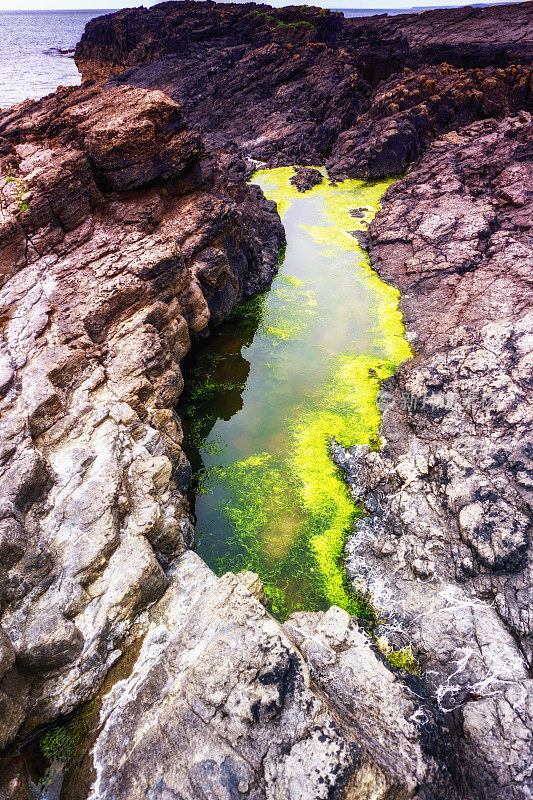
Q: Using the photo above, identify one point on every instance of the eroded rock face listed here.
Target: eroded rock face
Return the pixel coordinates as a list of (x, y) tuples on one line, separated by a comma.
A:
[(402, 732), (410, 108), (509, 24), (119, 241), (447, 542), (221, 702), (122, 236)]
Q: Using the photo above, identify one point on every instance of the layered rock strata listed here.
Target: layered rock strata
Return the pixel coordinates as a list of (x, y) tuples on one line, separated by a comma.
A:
[(120, 240)]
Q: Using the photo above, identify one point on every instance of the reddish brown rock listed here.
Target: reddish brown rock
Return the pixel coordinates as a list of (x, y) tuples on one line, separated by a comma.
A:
[(120, 240), (14, 778)]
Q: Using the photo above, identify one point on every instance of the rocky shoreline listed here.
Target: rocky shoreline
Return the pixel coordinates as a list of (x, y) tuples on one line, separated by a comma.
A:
[(446, 541), (128, 228), (121, 241)]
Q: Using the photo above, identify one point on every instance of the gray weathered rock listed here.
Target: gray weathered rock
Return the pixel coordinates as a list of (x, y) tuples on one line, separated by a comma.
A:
[(221, 703), (403, 732), (119, 241), (446, 545)]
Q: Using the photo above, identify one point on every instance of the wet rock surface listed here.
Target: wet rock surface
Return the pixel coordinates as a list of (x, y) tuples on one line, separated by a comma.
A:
[(305, 178), (120, 241), (446, 545)]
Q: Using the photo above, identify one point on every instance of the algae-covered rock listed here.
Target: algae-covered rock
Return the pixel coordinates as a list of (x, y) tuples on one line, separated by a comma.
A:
[(123, 236), (305, 178)]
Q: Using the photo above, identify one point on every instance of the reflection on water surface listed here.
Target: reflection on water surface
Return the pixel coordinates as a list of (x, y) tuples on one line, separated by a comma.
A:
[(292, 369)]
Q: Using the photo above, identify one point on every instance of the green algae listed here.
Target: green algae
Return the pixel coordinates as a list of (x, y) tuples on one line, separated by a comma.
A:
[(403, 659), (280, 24), (274, 502), (276, 186), (283, 326), (61, 741), (348, 414), (23, 193)]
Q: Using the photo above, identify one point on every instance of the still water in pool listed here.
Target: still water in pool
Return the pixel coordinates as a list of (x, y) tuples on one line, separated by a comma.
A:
[(291, 370)]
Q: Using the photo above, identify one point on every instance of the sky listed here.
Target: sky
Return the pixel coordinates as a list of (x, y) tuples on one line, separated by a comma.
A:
[(22, 5)]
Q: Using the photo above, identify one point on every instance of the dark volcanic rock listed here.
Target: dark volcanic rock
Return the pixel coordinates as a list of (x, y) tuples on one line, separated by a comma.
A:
[(447, 545), (410, 109), (497, 26), (305, 178), (301, 85)]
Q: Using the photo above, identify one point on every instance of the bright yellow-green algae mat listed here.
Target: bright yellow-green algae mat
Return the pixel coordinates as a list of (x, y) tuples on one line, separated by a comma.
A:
[(345, 410)]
